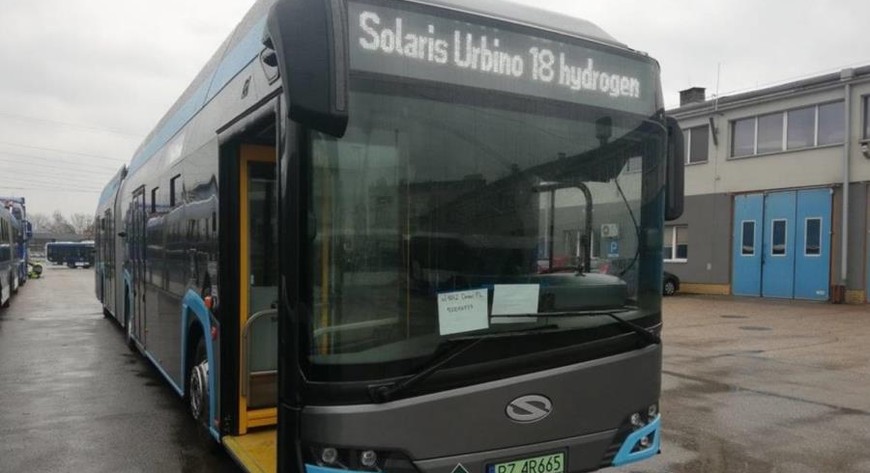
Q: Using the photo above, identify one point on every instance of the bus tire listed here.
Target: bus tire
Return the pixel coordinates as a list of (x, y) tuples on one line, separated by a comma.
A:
[(128, 337), (197, 385)]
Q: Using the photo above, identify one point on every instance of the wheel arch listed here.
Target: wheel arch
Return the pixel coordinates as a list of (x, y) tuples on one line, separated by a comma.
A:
[(196, 324)]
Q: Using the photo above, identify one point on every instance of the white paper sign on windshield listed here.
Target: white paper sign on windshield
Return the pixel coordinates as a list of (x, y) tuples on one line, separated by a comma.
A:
[(515, 299), (463, 311)]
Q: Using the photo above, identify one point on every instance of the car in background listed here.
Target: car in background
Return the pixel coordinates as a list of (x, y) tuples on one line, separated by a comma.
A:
[(670, 284)]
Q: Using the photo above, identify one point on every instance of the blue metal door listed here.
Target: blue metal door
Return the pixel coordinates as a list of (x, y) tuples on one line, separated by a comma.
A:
[(748, 218), (778, 261), (812, 244)]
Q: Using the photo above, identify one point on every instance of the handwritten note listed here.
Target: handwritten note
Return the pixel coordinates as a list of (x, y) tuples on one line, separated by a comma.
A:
[(462, 311)]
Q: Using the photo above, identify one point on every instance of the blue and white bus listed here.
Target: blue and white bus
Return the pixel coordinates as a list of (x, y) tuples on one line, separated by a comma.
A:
[(331, 245)]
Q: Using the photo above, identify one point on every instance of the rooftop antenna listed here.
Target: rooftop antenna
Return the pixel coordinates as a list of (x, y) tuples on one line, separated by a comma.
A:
[(714, 130), (718, 79)]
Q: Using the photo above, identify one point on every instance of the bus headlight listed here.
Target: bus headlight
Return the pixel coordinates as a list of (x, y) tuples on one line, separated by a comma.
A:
[(637, 421), (329, 455), (362, 459), (640, 419), (368, 459)]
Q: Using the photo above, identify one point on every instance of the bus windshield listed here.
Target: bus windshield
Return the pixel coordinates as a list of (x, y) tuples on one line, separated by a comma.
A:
[(444, 213)]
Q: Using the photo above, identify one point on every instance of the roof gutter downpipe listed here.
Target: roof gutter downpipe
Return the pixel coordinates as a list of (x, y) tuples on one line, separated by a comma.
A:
[(846, 75)]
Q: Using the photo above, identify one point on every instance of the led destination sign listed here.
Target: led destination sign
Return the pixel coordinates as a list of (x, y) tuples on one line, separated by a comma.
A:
[(419, 46)]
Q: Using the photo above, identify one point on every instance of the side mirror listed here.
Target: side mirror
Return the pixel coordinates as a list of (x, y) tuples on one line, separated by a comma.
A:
[(675, 181), (28, 230), (312, 55)]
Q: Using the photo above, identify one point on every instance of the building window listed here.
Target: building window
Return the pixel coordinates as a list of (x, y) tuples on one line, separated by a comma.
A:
[(813, 237), (867, 117), (778, 238), (574, 245), (769, 133), (676, 243), (806, 127), (747, 238), (832, 123), (743, 137), (174, 191), (801, 128), (697, 147)]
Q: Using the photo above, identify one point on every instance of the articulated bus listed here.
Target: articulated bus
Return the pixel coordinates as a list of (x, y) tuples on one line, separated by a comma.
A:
[(345, 244)]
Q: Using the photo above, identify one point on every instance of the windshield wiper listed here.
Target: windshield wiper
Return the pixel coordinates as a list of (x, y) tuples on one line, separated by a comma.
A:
[(388, 392), (645, 334)]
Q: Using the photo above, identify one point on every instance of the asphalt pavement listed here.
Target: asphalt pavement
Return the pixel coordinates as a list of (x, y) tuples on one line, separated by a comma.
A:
[(73, 398), (763, 386), (749, 386)]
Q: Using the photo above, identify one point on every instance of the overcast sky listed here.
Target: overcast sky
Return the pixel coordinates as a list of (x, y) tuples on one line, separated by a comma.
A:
[(82, 82)]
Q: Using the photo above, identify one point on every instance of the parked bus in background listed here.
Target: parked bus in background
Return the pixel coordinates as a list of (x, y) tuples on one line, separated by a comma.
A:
[(16, 206), (331, 245), (71, 253), (10, 279)]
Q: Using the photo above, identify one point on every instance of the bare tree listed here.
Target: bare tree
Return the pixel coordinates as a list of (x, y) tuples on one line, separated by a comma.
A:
[(60, 225), (82, 224), (41, 222)]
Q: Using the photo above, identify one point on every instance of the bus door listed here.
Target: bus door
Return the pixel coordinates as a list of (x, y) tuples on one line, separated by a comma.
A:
[(137, 257), (258, 258)]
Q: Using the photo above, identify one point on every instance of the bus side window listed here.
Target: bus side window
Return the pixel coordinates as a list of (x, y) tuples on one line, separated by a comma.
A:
[(154, 199), (174, 190)]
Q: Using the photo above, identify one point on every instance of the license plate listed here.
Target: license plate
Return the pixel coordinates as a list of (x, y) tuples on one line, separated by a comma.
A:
[(553, 463)]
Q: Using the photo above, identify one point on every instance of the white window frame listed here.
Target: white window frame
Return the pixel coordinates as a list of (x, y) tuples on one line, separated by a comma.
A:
[(688, 134), (865, 117), (733, 127), (785, 148), (815, 142), (743, 235), (807, 234), (578, 248), (671, 258), (785, 235), (784, 131)]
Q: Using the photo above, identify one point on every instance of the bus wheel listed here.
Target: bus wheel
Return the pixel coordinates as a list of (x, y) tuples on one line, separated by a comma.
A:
[(197, 386), (128, 324)]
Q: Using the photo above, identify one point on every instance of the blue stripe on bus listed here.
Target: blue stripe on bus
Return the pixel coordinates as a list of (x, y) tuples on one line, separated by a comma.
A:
[(193, 304), (626, 454), (236, 60), (109, 190), (230, 66)]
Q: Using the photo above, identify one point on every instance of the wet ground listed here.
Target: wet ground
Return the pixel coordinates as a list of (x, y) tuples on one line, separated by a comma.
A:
[(73, 398), (764, 386), (749, 386)]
